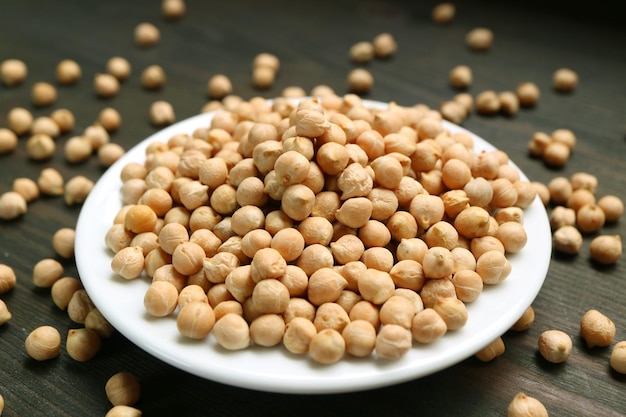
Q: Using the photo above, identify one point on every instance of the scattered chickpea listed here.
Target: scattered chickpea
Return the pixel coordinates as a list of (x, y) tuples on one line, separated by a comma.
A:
[(105, 85), (63, 242), (612, 206), (51, 182), (606, 249), (7, 278), (461, 77), (68, 72), (8, 141), (567, 137), (522, 406), (19, 120), (43, 343), (565, 80), (162, 113), (555, 346), (123, 388), (146, 34), (509, 103), (385, 46), (618, 357), (525, 321), (219, 86), (153, 77), (82, 344), (173, 9), (62, 291), (123, 411), (77, 190), (109, 153), (64, 119), (487, 102), (443, 13), (556, 154), (491, 351), (110, 119), (13, 71), (77, 149), (12, 205), (479, 39), (119, 67), (5, 315), (528, 94), (597, 329), (360, 81), (361, 52)]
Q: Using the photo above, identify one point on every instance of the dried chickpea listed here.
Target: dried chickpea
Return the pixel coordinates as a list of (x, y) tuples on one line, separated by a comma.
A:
[(479, 39), (123, 411), (219, 86), (45, 125), (43, 343), (5, 315), (267, 330), (68, 72), (555, 346), (385, 46), (7, 278), (397, 310), (46, 272), (8, 141), (522, 405), (556, 154), (443, 13), (79, 306), (618, 357), (128, 262), (528, 94), (263, 77), (105, 85), (360, 81), (12, 205), (119, 67), (62, 291), (43, 94), (360, 338), (452, 310), (78, 149), (82, 344), (232, 332), (580, 198), (487, 102), (428, 326), (612, 206), (461, 77), (361, 52), (468, 285), (161, 298), (525, 321), (140, 218), (19, 120), (565, 80), (567, 239), (153, 77), (597, 329), (40, 146), (512, 235), (146, 34), (606, 249), (110, 119), (13, 71), (473, 222), (509, 103), (590, 218), (493, 267), (327, 346), (562, 216), (162, 113), (123, 388), (568, 138), (427, 209), (195, 320), (491, 351)]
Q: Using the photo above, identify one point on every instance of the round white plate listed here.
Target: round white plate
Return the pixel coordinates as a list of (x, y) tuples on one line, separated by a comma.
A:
[(275, 369)]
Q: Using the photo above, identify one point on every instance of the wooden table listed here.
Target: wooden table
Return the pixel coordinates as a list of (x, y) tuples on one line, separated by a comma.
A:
[(312, 42)]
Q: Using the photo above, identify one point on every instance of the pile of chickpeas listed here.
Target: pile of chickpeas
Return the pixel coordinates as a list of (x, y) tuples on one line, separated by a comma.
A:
[(322, 224)]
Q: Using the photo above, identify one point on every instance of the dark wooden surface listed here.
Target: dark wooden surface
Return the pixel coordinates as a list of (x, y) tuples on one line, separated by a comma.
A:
[(312, 42)]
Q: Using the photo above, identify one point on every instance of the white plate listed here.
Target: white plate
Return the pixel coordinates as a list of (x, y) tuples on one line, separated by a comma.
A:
[(274, 369)]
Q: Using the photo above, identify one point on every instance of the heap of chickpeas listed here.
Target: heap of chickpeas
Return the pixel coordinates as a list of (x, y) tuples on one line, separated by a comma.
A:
[(322, 225)]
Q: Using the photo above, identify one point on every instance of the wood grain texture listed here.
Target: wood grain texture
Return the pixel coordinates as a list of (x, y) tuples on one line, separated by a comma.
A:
[(312, 42)]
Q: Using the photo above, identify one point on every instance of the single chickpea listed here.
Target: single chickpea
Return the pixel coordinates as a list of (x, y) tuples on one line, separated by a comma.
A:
[(567, 137), (325, 285), (493, 267), (40, 147), (5, 315), (468, 285), (161, 298), (479, 39), (453, 111), (146, 34), (297, 201), (606, 249), (298, 335), (232, 332), (443, 13), (289, 243), (105, 85), (618, 357), (612, 206), (110, 119), (19, 120), (560, 190), (327, 347), (523, 405), (43, 343), (153, 77), (123, 388), (77, 149), (567, 239), (62, 291), (119, 67), (491, 351), (162, 113), (45, 125), (7, 278), (82, 344), (291, 167), (173, 9), (64, 119), (68, 72), (219, 86), (267, 330), (428, 326), (512, 235), (473, 222), (109, 153), (361, 52), (360, 338), (538, 143), (96, 322), (360, 81), (195, 320), (263, 77), (452, 310), (528, 94), (479, 192), (123, 411), (13, 71), (46, 272), (51, 182), (525, 321), (393, 341), (597, 329), (562, 216), (590, 218), (555, 346), (397, 310), (43, 94), (509, 103), (79, 306), (12, 205), (385, 45), (330, 316), (565, 80), (487, 102), (8, 141)]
